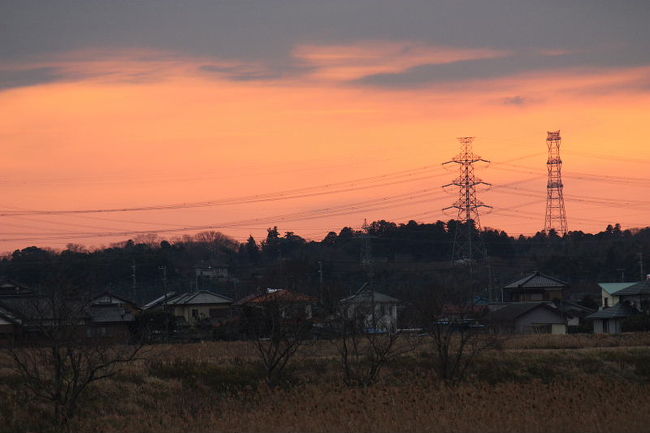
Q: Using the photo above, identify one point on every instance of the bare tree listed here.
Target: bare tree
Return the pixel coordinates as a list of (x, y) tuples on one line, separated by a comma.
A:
[(364, 351), (61, 356), (279, 326), (457, 333)]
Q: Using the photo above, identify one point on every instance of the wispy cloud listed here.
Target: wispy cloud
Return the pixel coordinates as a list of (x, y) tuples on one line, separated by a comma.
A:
[(356, 60)]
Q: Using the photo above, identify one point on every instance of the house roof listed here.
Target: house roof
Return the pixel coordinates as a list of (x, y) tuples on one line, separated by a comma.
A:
[(513, 311), (199, 297), (574, 309), (537, 280), (640, 288), (365, 296), (282, 295), (620, 310), (11, 288), (157, 301), (612, 288), (108, 298)]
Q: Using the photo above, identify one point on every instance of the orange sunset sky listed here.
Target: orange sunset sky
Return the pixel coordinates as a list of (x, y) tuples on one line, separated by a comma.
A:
[(314, 115)]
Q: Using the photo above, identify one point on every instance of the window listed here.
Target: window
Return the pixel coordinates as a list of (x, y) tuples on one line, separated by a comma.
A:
[(195, 313), (605, 325), (606, 304)]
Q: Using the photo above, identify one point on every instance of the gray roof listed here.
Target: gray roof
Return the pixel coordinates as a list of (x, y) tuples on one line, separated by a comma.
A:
[(536, 280), (158, 301), (513, 311), (10, 288), (619, 310), (613, 288), (108, 298), (202, 297), (640, 288), (367, 296)]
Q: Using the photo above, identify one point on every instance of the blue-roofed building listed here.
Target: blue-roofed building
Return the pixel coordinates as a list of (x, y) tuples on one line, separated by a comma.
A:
[(608, 294)]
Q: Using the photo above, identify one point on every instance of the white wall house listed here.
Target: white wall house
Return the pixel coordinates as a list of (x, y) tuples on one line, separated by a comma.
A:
[(379, 310)]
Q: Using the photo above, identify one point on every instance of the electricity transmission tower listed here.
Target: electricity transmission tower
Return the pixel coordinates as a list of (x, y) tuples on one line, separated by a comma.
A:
[(465, 248), (555, 213)]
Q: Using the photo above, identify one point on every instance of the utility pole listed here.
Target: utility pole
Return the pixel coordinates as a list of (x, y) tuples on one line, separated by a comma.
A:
[(555, 214), (622, 271), (368, 265), (320, 280), (467, 204), (164, 280), (133, 286), (643, 277)]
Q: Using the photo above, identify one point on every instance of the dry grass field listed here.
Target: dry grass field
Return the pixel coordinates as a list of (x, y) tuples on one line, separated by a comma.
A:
[(536, 384)]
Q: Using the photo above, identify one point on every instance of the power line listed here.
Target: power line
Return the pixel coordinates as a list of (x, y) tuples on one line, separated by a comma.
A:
[(281, 195)]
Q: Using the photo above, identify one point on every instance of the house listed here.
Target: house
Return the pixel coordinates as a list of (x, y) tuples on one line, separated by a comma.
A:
[(193, 307), (379, 311), (574, 313), (637, 295), (535, 287), (526, 318), (11, 289), (10, 327), (111, 316), (292, 304), (608, 293), (609, 320)]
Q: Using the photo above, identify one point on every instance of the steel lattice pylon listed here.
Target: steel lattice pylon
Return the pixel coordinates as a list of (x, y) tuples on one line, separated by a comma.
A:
[(467, 204), (555, 214)]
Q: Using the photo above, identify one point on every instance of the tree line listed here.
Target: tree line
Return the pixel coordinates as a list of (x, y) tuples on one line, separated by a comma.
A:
[(406, 258)]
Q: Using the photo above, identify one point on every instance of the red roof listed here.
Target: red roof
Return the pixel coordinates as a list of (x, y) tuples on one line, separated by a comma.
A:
[(281, 295)]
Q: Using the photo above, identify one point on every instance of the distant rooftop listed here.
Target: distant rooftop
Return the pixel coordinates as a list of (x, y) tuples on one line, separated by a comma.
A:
[(612, 288), (640, 288), (619, 310), (365, 295), (200, 297), (537, 280), (277, 295), (513, 311)]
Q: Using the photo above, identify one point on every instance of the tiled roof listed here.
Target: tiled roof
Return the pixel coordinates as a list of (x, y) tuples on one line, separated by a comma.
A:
[(107, 298), (513, 311), (200, 297), (619, 310), (537, 280), (640, 288), (366, 296), (281, 295), (159, 300), (189, 298)]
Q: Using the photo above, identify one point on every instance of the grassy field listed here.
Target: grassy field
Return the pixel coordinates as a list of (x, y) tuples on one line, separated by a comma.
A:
[(535, 384)]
